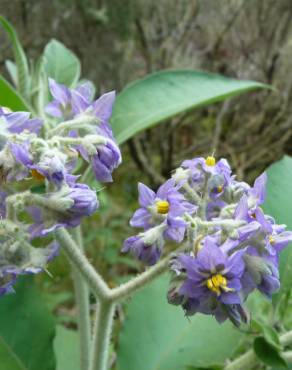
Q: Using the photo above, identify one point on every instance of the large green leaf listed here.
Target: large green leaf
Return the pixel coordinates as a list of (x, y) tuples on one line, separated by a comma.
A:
[(61, 64), (10, 98), (162, 95), (26, 330), (279, 205), (66, 347), (20, 58), (157, 336)]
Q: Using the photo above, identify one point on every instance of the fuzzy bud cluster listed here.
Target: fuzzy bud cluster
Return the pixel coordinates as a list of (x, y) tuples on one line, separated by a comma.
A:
[(227, 245), (32, 153)]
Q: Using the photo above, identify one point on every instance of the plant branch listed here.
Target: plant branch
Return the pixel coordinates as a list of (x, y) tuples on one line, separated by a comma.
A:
[(78, 122), (82, 300), (127, 289), (249, 359), (101, 340), (76, 256)]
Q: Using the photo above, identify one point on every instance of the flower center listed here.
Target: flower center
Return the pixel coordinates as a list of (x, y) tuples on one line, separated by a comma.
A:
[(217, 282), (36, 175), (271, 239), (210, 161), (162, 206)]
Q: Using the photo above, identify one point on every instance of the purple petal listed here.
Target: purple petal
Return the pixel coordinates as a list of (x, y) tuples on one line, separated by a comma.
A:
[(259, 189), (60, 92), (140, 218), (103, 106), (54, 109), (146, 195)]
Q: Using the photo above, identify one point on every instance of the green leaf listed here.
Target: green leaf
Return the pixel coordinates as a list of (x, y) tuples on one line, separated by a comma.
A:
[(269, 333), (279, 205), (10, 98), (26, 330), (66, 347), (12, 70), (20, 58), (158, 336), (162, 95), (268, 354), (61, 64)]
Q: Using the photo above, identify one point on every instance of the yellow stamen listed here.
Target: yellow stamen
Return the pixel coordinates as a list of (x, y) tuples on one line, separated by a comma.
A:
[(219, 188), (210, 161), (38, 176), (162, 206), (271, 239), (217, 282)]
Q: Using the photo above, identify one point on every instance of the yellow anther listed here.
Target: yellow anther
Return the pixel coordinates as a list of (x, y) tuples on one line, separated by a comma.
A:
[(210, 161), (219, 188), (162, 206), (271, 239), (217, 282), (38, 176)]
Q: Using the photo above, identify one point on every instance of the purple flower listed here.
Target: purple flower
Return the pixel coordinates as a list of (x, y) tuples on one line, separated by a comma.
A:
[(147, 251), (107, 158), (257, 193), (200, 167), (51, 165), (84, 199), (211, 282), (25, 259), (261, 273), (14, 161), (17, 122), (72, 204), (167, 206), (68, 103)]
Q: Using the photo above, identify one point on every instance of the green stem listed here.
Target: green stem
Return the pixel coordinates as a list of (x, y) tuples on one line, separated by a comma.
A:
[(82, 300), (245, 361), (75, 123), (249, 359), (101, 340), (138, 282), (86, 270)]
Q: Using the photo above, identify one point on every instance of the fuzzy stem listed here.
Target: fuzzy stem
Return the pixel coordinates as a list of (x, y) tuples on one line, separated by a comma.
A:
[(286, 338), (245, 361), (75, 255), (224, 223), (248, 360), (78, 122), (94, 139), (101, 339), (192, 193), (82, 300), (132, 286)]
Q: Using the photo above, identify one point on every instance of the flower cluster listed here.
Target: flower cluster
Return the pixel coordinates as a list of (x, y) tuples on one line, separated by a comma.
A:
[(227, 245), (48, 154)]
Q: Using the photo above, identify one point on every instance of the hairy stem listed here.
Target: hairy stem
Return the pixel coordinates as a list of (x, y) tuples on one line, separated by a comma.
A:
[(138, 282), (248, 360), (102, 333), (78, 122), (82, 300), (86, 270), (245, 361)]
